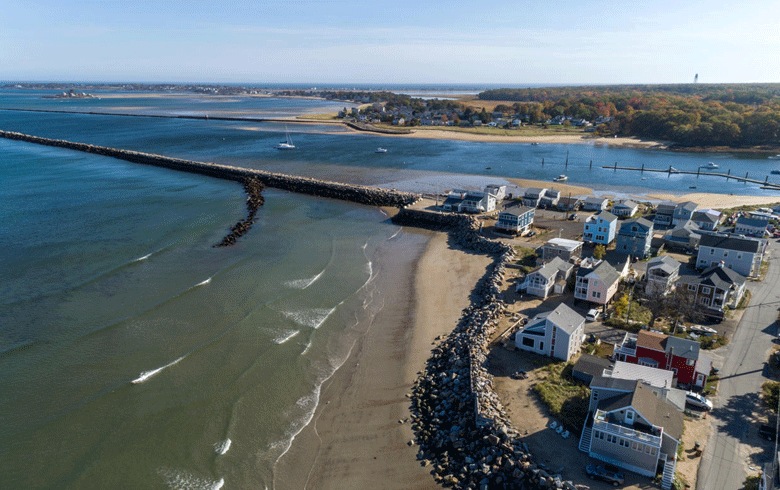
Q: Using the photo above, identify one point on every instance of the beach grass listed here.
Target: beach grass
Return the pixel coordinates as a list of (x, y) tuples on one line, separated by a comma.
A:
[(565, 397)]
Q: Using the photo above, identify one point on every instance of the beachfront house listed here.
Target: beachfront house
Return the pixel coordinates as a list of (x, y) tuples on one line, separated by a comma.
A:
[(532, 196), (596, 284), (569, 204), (707, 219), (454, 200), (589, 367), (594, 203), (516, 220), (634, 236), (683, 212), (548, 277), (557, 333), (683, 357), (550, 199), (751, 226), (478, 202), (637, 431), (664, 214), (713, 290), (739, 253), (564, 248), (625, 208), (622, 377), (662, 273), (497, 190), (600, 228)]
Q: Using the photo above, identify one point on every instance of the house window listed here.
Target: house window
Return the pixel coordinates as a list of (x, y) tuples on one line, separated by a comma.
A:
[(597, 294), (725, 253), (690, 362), (712, 251), (674, 370), (595, 395), (630, 417), (541, 345), (691, 287), (705, 290), (528, 342), (653, 451), (739, 255), (704, 301)]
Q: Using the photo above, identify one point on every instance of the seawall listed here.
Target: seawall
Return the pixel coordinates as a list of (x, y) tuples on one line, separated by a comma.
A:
[(372, 196)]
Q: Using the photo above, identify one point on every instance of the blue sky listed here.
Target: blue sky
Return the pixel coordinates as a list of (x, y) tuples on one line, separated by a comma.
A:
[(492, 42)]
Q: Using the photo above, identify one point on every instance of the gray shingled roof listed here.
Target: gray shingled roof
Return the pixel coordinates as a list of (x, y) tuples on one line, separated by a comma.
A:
[(705, 217), (682, 347), (591, 366), (664, 262), (755, 222), (626, 204), (657, 411), (607, 216), (618, 384), (604, 271), (730, 242), (636, 221), (688, 206), (564, 318)]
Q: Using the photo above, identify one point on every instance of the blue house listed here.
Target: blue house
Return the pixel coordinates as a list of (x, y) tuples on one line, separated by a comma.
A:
[(634, 236), (600, 228), (516, 220)]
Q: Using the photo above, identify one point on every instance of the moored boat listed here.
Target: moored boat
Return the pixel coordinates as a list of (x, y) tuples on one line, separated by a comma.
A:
[(381, 150), (561, 178)]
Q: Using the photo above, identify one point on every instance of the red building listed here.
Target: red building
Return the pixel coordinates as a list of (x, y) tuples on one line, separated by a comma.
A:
[(691, 366)]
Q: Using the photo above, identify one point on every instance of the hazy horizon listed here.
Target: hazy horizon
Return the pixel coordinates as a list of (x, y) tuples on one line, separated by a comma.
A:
[(350, 42)]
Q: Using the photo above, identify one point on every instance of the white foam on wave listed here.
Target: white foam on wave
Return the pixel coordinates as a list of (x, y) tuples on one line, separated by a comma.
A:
[(184, 480), (203, 283), (285, 336), (306, 349), (148, 374), (223, 447), (312, 318), (139, 259), (303, 283)]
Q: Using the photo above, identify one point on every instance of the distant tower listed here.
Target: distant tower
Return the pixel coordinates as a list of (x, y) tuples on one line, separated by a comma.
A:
[(696, 78)]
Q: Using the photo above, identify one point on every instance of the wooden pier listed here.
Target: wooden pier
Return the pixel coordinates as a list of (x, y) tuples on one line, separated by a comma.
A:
[(765, 184)]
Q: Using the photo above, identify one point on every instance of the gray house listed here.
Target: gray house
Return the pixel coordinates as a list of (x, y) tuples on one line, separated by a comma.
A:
[(563, 248), (557, 333), (625, 208), (739, 253), (750, 226), (540, 281), (714, 290), (634, 236), (637, 431), (595, 204), (706, 219), (662, 272), (683, 212), (532, 196), (550, 199), (664, 214), (685, 237)]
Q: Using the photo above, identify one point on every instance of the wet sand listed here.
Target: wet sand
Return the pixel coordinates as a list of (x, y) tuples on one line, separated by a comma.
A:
[(355, 439)]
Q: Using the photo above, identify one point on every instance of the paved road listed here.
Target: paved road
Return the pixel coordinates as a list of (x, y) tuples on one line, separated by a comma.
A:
[(725, 460)]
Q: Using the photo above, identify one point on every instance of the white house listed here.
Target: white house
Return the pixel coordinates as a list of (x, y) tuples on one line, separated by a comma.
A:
[(625, 208), (532, 196), (557, 333), (478, 202), (707, 219), (541, 280), (595, 204), (662, 272), (499, 191), (750, 226)]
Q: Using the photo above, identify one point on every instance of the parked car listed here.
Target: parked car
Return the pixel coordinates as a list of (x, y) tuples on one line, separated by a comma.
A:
[(606, 473), (592, 315), (701, 329), (573, 216), (768, 432), (697, 400)]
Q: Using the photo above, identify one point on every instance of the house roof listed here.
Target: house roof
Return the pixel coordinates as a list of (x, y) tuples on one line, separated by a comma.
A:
[(591, 365), (655, 410), (596, 200), (660, 378), (626, 204), (688, 206), (704, 364), (688, 349), (730, 242), (453, 201), (723, 275), (607, 216), (705, 217), (516, 211), (636, 221), (753, 222), (685, 230), (651, 340), (564, 243), (534, 191), (564, 318), (551, 268), (617, 384), (665, 262), (667, 206), (604, 271)]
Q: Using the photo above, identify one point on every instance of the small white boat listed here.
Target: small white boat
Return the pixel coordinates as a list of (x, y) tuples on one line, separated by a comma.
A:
[(673, 170), (709, 165), (381, 150), (561, 178), (286, 145)]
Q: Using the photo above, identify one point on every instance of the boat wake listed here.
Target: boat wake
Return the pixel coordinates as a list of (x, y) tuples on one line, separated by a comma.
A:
[(313, 318), (148, 374), (223, 447), (303, 283)]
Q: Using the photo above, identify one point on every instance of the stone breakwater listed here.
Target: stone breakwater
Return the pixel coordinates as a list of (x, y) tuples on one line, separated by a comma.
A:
[(254, 200), (461, 428), (371, 196)]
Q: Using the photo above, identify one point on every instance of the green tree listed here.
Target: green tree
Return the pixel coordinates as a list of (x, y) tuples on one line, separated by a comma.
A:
[(770, 392), (599, 251)]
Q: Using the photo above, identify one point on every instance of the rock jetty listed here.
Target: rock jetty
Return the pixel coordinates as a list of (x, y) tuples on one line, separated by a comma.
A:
[(254, 200), (461, 428)]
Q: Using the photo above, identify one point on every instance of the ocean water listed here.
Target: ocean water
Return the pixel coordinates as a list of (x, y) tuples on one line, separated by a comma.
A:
[(136, 355)]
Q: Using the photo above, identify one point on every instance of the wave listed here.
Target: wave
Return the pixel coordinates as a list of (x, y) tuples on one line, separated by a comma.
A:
[(285, 336), (148, 374), (183, 480), (313, 318), (139, 259), (202, 283), (16, 347), (223, 447), (303, 283)]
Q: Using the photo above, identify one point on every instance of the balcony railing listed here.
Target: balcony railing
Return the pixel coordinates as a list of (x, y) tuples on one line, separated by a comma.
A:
[(601, 424)]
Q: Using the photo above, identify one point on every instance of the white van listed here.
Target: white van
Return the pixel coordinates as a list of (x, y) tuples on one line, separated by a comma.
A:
[(592, 315)]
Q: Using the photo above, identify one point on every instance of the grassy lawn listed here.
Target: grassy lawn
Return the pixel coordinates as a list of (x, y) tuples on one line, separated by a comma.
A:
[(565, 397), (526, 258)]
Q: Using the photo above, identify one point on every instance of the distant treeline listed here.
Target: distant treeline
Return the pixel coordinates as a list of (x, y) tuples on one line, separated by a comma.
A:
[(736, 115)]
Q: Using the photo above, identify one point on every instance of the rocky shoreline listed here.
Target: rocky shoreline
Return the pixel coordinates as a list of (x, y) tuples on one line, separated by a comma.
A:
[(461, 428)]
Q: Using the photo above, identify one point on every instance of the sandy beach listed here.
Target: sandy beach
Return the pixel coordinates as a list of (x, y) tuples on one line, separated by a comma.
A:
[(359, 435)]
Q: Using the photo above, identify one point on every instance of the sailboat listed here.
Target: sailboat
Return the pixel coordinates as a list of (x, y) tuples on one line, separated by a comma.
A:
[(286, 145)]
